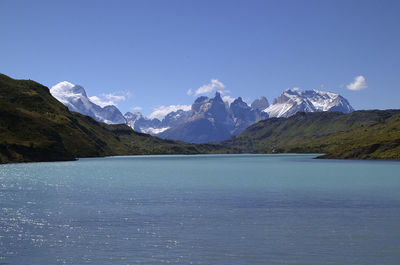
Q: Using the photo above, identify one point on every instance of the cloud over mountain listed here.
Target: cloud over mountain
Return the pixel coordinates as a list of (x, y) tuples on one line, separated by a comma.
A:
[(214, 85), (110, 98), (161, 111)]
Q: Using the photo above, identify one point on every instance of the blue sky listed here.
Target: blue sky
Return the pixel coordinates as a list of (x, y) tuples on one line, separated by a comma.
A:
[(150, 53)]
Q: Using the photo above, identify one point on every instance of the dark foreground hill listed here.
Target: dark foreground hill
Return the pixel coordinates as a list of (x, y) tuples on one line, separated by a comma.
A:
[(34, 126), (373, 134)]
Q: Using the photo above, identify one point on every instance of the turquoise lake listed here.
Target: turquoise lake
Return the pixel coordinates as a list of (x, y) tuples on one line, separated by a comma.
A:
[(205, 209)]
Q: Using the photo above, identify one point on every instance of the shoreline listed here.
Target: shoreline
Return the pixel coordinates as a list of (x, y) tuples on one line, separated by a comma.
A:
[(317, 156)]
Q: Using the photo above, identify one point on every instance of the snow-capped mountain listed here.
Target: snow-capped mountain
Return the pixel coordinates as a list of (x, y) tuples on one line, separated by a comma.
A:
[(75, 98), (292, 101), (154, 126), (209, 119), (140, 123), (212, 119)]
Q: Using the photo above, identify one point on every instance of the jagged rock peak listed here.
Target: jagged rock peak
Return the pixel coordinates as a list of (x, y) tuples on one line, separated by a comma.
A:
[(239, 103), (260, 103), (217, 96)]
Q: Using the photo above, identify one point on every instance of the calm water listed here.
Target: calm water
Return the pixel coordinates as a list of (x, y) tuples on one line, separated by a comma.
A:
[(236, 209)]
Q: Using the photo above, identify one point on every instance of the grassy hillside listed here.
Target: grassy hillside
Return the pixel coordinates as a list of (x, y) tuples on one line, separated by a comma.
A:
[(34, 126), (371, 134)]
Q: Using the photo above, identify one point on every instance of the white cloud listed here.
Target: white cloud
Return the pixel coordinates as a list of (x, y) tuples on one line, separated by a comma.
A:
[(224, 91), (359, 83), (137, 108), (110, 99), (161, 111), (115, 98), (101, 102), (214, 85), (189, 92)]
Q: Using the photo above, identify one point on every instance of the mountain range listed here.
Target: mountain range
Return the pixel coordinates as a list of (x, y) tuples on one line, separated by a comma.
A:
[(209, 119), (34, 126)]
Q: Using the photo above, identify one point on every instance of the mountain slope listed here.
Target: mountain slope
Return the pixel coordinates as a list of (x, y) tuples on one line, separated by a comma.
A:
[(371, 134), (34, 126), (75, 98)]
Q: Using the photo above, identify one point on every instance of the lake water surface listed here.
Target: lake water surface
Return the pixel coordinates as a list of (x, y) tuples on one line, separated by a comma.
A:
[(211, 209)]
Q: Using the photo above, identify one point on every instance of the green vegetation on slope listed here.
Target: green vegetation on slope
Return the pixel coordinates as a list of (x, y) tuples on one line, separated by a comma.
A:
[(34, 126), (373, 134)]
